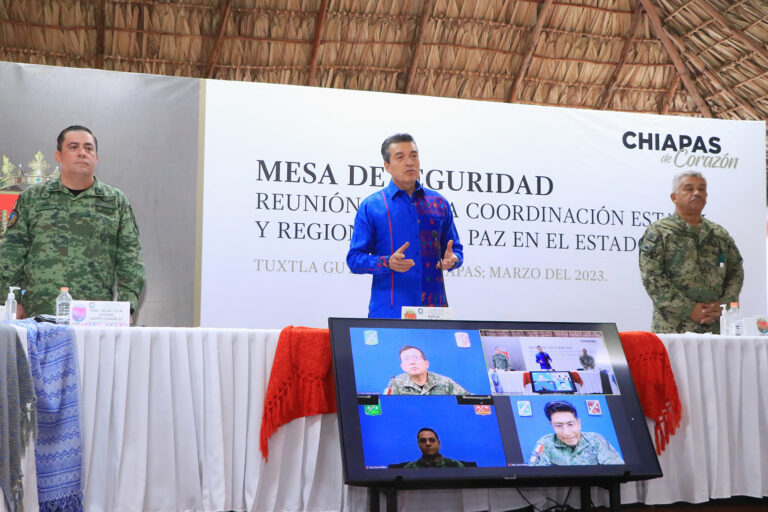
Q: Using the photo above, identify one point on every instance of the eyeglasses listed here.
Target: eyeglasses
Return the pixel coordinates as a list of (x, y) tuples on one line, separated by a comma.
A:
[(412, 358)]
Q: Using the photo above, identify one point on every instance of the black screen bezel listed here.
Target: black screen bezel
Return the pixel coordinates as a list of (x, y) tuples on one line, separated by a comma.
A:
[(645, 466)]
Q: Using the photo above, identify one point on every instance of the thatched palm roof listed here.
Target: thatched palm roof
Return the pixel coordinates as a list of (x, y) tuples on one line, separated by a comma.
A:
[(703, 58)]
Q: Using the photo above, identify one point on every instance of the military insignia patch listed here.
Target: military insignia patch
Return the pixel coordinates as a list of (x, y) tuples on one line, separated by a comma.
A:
[(593, 408), (12, 218), (483, 410), (371, 337)]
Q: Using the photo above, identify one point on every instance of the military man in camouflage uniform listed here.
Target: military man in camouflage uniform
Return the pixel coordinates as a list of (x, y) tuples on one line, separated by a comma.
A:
[(569, 446), (429, 444), (417, 380), (586, 360), (689, 264), (500, 361), (74, 231)]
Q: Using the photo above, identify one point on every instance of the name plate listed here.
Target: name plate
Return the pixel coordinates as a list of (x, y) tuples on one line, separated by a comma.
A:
[(756, 325), (100, 313), (426, 313)]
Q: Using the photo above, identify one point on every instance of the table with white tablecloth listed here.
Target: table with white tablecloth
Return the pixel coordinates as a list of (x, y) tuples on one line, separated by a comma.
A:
[(171, 421)]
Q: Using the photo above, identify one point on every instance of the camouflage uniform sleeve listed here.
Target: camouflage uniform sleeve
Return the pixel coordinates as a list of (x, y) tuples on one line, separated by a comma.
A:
[(666, 298), (734, 278), (606, 453), (456, 389), (539, 455), (394, 387), (14, 247), (130, 263)]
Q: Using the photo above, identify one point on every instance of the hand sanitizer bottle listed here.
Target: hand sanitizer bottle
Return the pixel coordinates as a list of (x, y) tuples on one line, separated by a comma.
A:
[(10, 304)]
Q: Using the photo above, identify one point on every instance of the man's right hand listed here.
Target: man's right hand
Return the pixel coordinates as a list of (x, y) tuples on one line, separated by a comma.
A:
[(20, 313), (398, 261)]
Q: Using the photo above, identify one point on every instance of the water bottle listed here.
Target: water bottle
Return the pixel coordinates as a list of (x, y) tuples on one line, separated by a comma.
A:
[(735, 320), (63, 306)]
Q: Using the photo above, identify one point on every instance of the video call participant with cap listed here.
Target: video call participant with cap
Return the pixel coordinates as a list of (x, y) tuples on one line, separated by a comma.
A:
[(74, 231), (405, 236)]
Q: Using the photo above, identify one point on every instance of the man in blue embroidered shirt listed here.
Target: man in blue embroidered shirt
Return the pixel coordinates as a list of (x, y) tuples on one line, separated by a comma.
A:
[(404, 235)]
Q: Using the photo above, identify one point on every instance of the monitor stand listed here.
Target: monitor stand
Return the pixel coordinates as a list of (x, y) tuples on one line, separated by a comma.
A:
[(614, 498)]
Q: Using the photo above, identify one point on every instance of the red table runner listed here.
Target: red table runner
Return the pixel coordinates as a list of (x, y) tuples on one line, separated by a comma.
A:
[(301, 382), (655, 383)]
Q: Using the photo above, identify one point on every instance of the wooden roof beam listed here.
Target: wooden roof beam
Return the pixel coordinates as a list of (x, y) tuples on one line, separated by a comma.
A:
[(101, 17), (418, 46), (224, 13), (514, 92), (669, 98), (713, 78), (685, 76), (319, 22), (605, 100), (734, 32)]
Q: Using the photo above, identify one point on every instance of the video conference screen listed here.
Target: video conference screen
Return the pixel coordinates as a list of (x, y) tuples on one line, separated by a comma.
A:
[(434, 402)]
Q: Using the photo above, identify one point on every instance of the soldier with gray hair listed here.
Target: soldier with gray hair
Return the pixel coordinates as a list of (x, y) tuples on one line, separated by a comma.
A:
[(689, 264), (73, 231)]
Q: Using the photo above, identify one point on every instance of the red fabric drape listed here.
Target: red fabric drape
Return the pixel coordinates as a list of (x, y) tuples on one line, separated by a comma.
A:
[(301, 382), (655, 383)]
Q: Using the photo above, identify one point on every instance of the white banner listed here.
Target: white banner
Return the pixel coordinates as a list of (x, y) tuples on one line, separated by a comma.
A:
[(549, 203)]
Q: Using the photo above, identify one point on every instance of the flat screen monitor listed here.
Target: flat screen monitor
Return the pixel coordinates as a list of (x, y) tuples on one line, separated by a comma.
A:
[(549, 381), (432, 403)]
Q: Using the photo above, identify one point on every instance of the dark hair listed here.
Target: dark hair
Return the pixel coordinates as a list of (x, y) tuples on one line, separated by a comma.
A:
[(394, 139), (427, 429), (409, 347), (74, 128), (559, 406)]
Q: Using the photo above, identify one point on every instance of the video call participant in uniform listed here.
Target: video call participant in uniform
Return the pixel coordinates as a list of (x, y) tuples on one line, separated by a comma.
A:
[(543, 359), (429, 444), (689, 264), (405, 236), (586, 360), (500, 361), (417, 380), (569, 446), (74, 231)]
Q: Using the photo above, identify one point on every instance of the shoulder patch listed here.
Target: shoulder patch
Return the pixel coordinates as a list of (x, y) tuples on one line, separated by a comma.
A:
[(12, 218), (647, 247)]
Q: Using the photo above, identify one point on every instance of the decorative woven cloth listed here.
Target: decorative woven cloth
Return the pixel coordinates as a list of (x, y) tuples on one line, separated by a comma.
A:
[(59, 447), (17, 415), (655, 383), (301, 382)]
